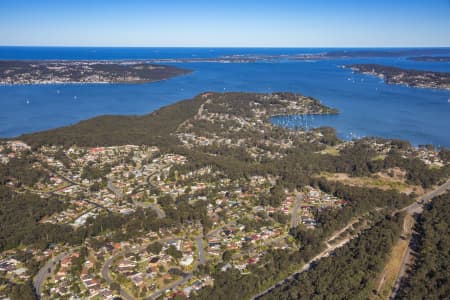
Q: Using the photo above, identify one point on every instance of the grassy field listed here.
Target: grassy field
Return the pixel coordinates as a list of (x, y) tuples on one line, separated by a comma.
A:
[(330, 151), (386, 280), (384, 182), (379, 157)]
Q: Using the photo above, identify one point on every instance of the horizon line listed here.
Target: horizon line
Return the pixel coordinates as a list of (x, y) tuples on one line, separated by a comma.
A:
[(234, 47)]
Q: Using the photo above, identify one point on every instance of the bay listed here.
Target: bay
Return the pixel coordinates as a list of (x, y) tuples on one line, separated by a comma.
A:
[(368, 107)]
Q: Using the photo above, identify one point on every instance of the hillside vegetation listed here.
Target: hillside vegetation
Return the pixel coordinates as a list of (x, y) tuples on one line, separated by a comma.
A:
[(109, 130), (429, 278)]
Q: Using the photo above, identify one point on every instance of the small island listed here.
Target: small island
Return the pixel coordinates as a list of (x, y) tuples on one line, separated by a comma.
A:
[(93, 71), (413, 78)]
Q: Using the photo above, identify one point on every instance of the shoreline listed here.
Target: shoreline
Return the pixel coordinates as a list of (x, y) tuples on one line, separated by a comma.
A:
[(407, 77), (332, 112), (72, 83), (76, 71)]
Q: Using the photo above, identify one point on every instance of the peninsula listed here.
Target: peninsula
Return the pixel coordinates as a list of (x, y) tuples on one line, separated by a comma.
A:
[(92, 71), (413, 78)]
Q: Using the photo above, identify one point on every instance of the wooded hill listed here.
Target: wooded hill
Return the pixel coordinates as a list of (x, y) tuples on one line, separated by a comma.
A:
[(110, 130)]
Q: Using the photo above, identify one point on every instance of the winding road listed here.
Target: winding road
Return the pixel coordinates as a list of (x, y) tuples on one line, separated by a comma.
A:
[(109, 280), (110, 186), (119, 195), (107, 265), (44, 272), (170, 286)]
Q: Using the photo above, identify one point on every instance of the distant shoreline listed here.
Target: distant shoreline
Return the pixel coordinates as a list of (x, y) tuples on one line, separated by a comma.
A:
[(407, 77), (430, 58), (31, 72)]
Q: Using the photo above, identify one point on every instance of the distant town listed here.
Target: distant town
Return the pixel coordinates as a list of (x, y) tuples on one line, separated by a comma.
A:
[(94, 71), (413, 78), (431, 58)]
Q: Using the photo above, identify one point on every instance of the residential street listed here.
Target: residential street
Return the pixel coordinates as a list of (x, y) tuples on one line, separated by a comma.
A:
[(44, 273), (107, 264), (201, 251)]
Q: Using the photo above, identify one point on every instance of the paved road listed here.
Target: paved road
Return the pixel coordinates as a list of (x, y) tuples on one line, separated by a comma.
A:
[(107, 265), (201, 251), (170, 286), (43, 273), (215, 231), (415, 208), (294, 217), (149, 177), (65, 177), (109, 280), (86, 188), (118, 193)]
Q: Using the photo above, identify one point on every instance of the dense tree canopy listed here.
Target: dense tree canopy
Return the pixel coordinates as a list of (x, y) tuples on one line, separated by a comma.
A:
[(350, 272), (429, 278)]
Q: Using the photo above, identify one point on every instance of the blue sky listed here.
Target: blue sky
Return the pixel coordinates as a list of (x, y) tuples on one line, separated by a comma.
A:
[(227, 23)]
